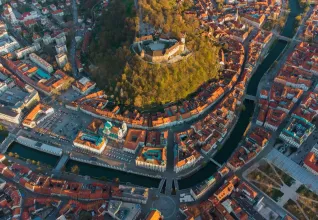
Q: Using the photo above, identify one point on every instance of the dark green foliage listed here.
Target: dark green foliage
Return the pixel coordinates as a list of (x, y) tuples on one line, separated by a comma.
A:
[(133, 81)]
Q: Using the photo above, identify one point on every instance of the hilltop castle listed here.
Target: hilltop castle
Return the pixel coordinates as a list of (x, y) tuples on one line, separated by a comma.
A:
[(158, 50)]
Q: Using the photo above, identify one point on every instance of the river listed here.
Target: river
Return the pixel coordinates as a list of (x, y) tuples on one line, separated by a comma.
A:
[(275, 51), (32, 154), (221, 156), (111, 174), (295, 10), (235, 137)]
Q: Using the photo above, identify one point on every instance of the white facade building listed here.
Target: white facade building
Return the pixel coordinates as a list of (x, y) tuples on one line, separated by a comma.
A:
[(29, 16), (186, 163), (41, 63), (61, 59), (60, 39), (61, 48), (10, 115), (23, 52), (39, 146), (151, 166), (8, 43), (8, 13)]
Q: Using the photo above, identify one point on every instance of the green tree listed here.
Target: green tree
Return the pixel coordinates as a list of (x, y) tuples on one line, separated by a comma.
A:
[(138, 101), (116, 181), (298, 18), (2, 128), (68, 67), (75, 169), (140, 83)]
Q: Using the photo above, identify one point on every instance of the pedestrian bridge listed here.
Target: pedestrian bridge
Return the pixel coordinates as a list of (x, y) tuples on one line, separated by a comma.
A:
[(287, 39), (215, 162), (250, 97), (7, 142), (62, 162), (161, 184), (280, 37)]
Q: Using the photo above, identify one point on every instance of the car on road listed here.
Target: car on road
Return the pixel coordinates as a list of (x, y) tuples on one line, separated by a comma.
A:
[(93, 158)]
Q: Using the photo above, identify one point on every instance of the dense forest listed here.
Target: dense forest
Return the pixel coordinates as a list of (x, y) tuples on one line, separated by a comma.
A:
[(109, 50), (132, 81), (149, 83), (168, 15)]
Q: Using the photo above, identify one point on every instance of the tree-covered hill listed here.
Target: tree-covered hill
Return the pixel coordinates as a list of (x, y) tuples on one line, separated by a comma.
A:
[(135, 82), (147, 83)]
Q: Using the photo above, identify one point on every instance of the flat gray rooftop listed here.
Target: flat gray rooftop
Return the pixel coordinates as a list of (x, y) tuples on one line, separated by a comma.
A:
[(293, 169), (157, 46), (12, 96)]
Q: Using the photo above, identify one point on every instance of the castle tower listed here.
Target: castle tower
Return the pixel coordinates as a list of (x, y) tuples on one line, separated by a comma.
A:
[(183, 41), (9, 14), (107, 128), (124, 128), (120, 134), (142, 53)]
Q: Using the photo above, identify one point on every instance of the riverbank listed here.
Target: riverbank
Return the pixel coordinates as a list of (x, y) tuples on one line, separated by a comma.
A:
[(107, 174), (32, 154), (201, 173), (229, 147), (3, 135), (291, 24), (276, 49)]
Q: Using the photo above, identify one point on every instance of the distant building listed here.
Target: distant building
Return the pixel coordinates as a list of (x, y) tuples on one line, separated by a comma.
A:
[(41, 63), (10, 115), (60, 39), (61, 59), (57, 82), (154, 214), (297, 131), (58, 12), (90, 142), (37, 115), (15, 101), (157, 138), (135, 138), (8, 14), (47, 38), (114, 132), (131, 194), (45, 11), (23, 52), (254, 20), (247, 191), (116, 208), (200, 189), (84, 85), (39, 146), (310, 163), (3, 25), (8, 43), (187, 162), (152, 158), (61, 48), (311, 160), (29, 16), (158, 51), (96, 126)]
